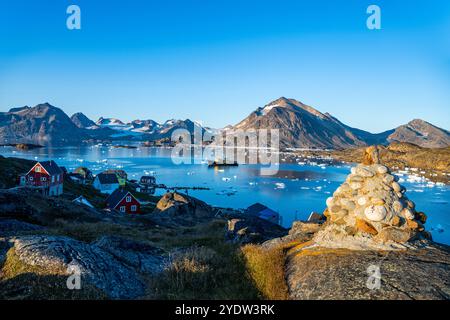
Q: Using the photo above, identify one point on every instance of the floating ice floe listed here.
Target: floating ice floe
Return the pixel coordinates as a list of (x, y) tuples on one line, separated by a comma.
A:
[(438, 228), (279, 185), (253, 183), (226, 179), (226, 193)]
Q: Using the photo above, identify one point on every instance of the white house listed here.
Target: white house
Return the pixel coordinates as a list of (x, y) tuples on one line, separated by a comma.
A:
[(106, 182)]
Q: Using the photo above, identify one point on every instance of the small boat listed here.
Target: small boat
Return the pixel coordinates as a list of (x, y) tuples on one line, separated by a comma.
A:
[(221, 163)]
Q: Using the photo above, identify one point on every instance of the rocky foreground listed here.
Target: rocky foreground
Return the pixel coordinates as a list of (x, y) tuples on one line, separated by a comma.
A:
[(316, 272), (370, 243), (178, 251)]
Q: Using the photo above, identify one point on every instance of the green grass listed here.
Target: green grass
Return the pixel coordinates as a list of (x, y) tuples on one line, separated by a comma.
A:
[(208, 268), (266, 269)]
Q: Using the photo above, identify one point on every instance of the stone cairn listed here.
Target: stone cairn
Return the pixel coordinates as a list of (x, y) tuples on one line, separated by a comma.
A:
[(370, 210)]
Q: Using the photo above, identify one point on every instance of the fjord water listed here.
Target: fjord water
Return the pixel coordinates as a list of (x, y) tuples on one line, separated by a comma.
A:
[(294, 192)]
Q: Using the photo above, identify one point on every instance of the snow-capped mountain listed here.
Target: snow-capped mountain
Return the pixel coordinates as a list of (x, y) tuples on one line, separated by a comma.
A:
[(300, 126)]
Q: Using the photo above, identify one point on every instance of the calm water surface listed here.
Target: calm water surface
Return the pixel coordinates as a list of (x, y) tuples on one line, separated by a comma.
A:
[(294, 192)]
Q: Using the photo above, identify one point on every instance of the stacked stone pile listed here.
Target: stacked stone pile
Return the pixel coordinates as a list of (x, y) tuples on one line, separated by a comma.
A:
[(370, 209)]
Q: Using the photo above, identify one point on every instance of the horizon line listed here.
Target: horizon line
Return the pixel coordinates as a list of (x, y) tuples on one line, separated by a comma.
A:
[(218, 128)]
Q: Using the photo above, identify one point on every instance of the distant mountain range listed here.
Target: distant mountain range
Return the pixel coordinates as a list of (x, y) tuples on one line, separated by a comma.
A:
[(300, 126), (48, 125)]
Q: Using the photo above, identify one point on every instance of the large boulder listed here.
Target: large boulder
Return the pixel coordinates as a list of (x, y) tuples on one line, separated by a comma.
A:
[(177, 208), (300, 232), (323, 273), (139, 255), (248, 229), (97, 267)]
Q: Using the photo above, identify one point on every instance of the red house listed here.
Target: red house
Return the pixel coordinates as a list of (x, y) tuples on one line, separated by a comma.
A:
[(123, 201), (46, 176)]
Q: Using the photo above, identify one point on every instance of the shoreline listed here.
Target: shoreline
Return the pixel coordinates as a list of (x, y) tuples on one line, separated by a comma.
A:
[(401, 162)]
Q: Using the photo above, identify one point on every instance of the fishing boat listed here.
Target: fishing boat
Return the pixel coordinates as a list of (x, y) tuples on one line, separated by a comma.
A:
[(221, 163)]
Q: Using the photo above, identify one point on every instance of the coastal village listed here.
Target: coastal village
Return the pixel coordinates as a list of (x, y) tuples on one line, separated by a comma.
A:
[(122, 195), (48, 178)]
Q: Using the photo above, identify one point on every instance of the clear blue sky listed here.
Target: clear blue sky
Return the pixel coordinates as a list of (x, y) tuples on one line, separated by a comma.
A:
[(217, 60)]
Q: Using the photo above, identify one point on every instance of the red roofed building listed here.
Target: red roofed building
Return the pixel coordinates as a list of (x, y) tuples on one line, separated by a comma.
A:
[(47, 176), (123, 201)]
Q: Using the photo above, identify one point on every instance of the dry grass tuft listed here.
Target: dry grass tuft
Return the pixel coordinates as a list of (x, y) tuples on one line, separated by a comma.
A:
[(266, 268), (203, 266)]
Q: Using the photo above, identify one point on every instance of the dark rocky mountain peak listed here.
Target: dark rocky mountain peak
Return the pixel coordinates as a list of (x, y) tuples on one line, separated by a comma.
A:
[(19, 109), (300, 125), (42, 124), (421, 133), (81, 121)]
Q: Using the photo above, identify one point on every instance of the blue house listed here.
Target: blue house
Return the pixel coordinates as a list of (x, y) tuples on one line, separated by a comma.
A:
[(261, 211)]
